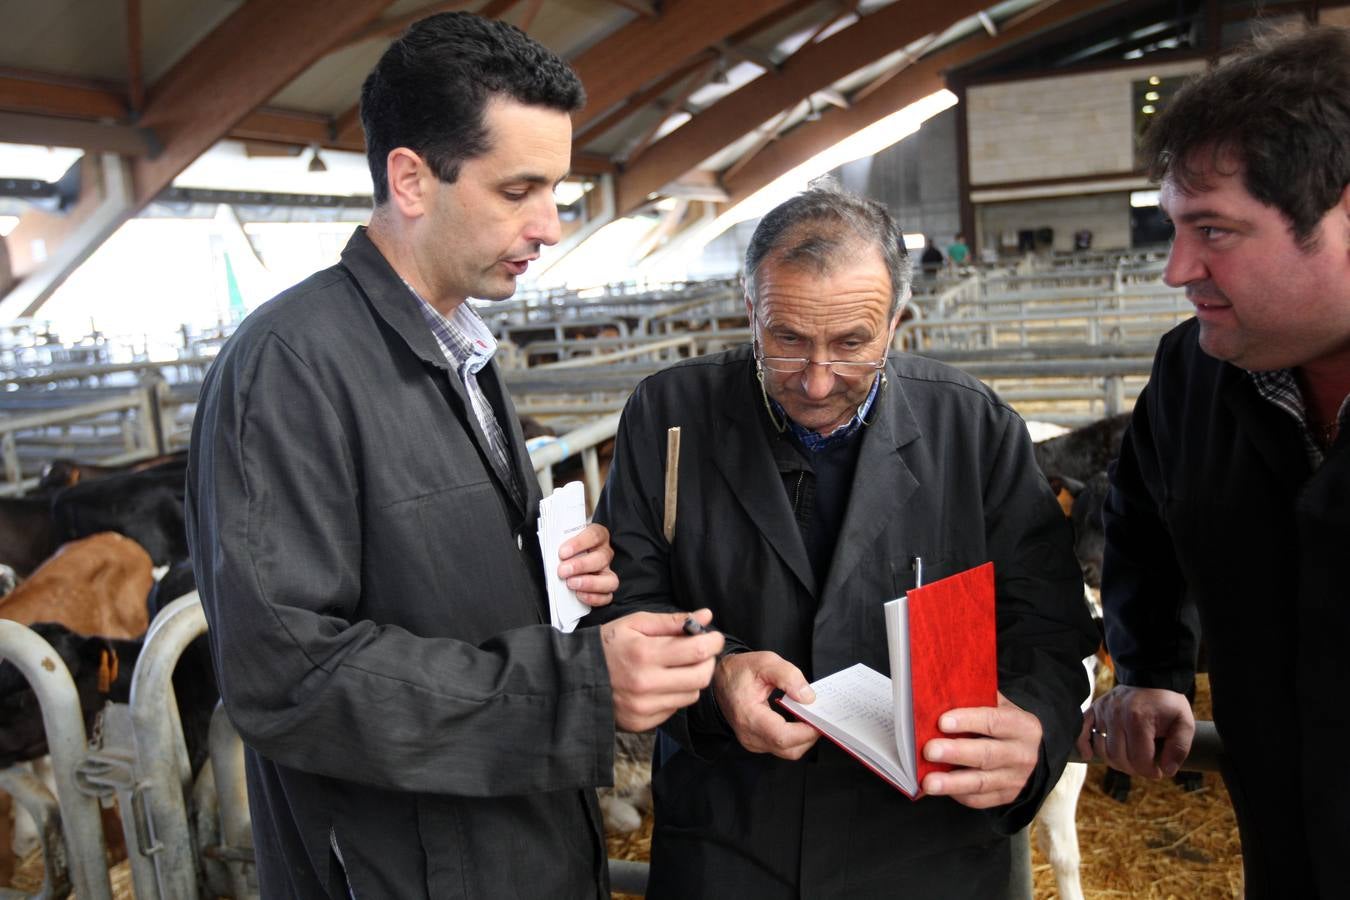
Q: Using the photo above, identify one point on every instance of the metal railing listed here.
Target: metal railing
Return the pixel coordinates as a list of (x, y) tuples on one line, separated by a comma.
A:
[(63, 722)]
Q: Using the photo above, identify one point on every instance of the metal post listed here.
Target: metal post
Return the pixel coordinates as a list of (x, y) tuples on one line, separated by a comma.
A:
[(590, 467), (33, 796), (236, 831), (161, 758), (61, 718), (13, 474), (1115, 395)]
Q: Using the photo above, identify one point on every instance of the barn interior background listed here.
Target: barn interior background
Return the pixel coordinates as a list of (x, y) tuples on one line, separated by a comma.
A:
[(166, 166)]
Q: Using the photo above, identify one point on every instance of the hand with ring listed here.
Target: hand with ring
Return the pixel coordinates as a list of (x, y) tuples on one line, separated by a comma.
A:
[(1150, 730)]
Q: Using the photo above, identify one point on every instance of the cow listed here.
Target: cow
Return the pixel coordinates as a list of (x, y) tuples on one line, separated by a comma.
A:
[(623, 805), (61, 473), (102, 668), (27, 533), (1075, 464), (1083, 452), (146, 506), (94, 586)]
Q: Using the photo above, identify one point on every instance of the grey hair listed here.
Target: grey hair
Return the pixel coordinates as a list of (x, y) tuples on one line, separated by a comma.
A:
[(814, 228)]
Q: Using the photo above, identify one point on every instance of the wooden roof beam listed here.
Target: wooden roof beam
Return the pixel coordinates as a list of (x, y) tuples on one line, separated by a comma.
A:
[(54, 131), (33, 92), (810, 69), (920, 80), (259, 48), (696, 80), (256, 50), (645, 49), (641, 7), (395, 25), (135, 76), (597, 127)]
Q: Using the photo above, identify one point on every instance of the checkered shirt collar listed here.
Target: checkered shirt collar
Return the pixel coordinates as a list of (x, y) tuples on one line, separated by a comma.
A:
[(1280, 387), (463, 335)]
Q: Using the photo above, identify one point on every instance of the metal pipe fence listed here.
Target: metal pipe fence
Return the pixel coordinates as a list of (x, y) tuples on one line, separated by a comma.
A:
[(63, 722)]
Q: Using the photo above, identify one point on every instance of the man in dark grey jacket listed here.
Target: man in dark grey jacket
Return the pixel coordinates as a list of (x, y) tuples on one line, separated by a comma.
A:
[(361, 512), (816, 474)]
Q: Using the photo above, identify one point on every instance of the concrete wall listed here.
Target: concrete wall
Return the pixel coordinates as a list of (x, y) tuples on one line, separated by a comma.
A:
[(1107, 216), (1058, 127)]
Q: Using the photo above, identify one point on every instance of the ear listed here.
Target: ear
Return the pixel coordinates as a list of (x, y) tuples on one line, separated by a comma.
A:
[(749, 309), (409, 182)]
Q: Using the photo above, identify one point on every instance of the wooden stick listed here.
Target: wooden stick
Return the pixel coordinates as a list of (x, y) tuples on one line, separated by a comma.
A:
[(672, 479)]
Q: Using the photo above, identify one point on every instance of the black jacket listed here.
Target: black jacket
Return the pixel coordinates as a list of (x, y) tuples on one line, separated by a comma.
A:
[(414, 728), (944, 472), (1216, 523)]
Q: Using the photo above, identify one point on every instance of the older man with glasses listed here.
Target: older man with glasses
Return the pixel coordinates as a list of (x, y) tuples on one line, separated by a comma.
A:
[(817, 476)]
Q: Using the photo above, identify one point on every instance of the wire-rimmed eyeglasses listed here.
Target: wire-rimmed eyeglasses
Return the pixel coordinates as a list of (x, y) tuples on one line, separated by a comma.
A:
[(844, 368)]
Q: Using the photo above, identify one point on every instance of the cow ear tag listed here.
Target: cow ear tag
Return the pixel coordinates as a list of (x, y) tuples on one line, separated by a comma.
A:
[(107, 670)]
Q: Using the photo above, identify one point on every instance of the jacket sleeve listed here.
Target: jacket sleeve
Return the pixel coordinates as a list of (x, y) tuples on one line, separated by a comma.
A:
[(275, 526), (632, 507), (1044, 630), (1152, 628)]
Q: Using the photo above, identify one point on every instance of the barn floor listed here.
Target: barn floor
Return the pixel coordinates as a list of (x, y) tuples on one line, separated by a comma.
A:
[(1164, 844)]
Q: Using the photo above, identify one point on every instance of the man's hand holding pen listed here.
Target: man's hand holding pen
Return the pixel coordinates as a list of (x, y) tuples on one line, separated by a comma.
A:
[(655, 666)]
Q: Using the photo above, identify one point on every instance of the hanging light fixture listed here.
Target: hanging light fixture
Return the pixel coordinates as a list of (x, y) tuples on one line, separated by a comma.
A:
[(316, 163)]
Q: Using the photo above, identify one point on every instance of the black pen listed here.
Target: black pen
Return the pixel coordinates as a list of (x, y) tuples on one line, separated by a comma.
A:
[(692, 626)]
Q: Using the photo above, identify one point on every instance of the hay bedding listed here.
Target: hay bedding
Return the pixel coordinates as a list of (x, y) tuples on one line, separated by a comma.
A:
[(1164, 844)]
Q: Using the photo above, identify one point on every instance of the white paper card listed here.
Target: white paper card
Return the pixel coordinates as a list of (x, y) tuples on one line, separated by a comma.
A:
[(562, 514)]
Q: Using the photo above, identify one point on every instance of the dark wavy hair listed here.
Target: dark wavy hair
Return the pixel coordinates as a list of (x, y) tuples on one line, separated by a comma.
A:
[(430, 88), (815, 227), (1280, 109)]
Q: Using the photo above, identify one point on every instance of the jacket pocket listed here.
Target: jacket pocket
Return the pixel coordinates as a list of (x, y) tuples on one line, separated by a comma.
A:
[(894, 577)]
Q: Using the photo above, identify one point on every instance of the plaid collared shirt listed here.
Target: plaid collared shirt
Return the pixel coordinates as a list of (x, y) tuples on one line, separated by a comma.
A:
[(468, 346), (1281, 388)]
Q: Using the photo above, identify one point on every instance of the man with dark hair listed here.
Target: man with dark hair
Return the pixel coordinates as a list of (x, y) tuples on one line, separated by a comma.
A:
[(362, 514), (816, 474), (1228, 507)]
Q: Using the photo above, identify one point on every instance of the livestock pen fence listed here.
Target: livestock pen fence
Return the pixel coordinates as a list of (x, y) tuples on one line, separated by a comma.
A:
[(185, 839), (1065, 344), (107, 414)]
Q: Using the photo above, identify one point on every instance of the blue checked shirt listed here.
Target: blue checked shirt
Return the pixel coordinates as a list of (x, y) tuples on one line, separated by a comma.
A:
[(468, 347)]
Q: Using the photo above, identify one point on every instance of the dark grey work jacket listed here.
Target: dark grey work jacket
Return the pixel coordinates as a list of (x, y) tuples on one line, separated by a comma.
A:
[(945, 472), (414, 728), (1217, 524)]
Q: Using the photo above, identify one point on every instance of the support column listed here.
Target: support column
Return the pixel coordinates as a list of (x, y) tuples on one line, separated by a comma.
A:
[(46, 248)]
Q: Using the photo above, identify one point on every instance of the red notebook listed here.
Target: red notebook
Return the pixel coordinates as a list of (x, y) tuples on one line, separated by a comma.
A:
[(943, 656)]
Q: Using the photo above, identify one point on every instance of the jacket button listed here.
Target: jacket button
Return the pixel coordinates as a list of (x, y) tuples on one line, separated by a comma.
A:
[(520, 542)]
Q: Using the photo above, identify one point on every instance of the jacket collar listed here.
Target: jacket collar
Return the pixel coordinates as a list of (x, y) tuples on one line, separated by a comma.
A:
[(390, 297), (746, 462), (882, 483), (394, 303)]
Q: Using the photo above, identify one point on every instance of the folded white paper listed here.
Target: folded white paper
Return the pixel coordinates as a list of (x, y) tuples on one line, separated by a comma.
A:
[(561, 515)]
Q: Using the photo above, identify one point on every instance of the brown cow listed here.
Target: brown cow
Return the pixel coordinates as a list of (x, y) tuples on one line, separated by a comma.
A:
[(94, 586)]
